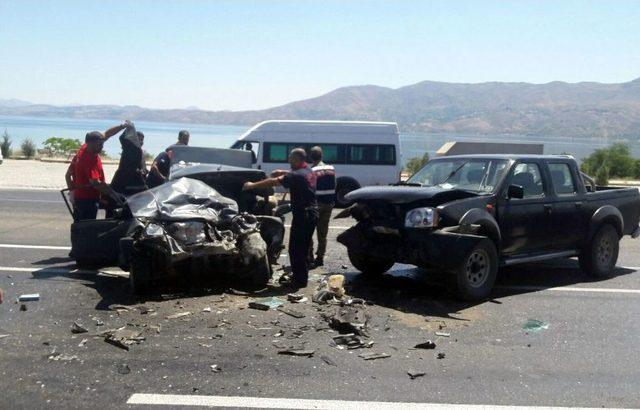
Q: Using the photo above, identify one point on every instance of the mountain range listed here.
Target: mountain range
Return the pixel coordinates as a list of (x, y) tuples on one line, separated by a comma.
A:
[(587, 109)]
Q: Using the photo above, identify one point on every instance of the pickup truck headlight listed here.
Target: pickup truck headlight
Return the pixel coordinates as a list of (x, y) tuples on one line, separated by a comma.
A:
[(188, 233), (421, 218)]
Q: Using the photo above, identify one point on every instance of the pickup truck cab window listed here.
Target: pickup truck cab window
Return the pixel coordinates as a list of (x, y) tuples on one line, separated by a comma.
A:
[(528, 176), (562, 180), (477, 175)]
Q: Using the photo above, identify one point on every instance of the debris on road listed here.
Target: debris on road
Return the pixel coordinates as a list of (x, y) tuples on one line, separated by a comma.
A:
[(350, 341), (374, 356), (124, 369), (291, 312), (322, 296), (266, 303), (426, 345), (349, 320), (328, 360), (335, 284), (30, 297), (297, 352), (535, 325), (144, 310), (296, 298), (215, 368), (441, 356), (123, 337), (344, 267), (97, 321), (414, 374), (119, 308), (443, 334), (207, 310), (60, 357), (3, 336), (78, 328), (178, 315), (83, 342), (23, 307)]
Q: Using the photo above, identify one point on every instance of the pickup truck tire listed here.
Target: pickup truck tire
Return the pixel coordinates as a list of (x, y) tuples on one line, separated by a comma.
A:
[(140, 275), (473, 278), (598, 258), (368, 264)]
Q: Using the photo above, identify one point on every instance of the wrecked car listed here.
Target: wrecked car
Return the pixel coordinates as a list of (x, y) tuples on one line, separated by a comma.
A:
[(198, 226), (467, 216)]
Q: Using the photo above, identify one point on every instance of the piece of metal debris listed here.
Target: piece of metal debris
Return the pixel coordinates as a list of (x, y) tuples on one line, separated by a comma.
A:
[(414, 374), (344, 267), (297, 352), (62, 357), (78, 328), (296, 298), (291, 312), (328, 360), (266, 303), (29, 297), (3, 336), (426, 345), (374, 356), (119, 308), (124, 369), (441, 356), (97, 321), (443, 334), (178, 315), (323, 296), (83, 342), (123, 337), (215, 368), (351, 341), (349, 319), (207, 310), (23, 307)]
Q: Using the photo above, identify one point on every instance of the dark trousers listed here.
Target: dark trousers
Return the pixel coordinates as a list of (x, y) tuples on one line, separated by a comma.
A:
[(322, 230), (85, 209), (302, 227)]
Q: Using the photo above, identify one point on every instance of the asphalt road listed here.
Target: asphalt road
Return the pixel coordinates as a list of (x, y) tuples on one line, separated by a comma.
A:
[(588, 355)]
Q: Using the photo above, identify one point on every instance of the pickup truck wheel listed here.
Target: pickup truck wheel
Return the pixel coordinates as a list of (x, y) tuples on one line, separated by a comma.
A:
[(598, 259), (474, 277), (140, 275), (368, 264)]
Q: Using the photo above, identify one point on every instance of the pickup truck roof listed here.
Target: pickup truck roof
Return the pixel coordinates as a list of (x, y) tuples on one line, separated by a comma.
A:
[(506, 156)]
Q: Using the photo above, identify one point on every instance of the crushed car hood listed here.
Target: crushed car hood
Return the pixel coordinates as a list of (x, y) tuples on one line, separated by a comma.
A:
[(405, 194), (181, 199)]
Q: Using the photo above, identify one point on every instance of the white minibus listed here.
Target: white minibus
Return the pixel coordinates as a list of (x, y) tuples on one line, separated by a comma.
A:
[(363, 153)]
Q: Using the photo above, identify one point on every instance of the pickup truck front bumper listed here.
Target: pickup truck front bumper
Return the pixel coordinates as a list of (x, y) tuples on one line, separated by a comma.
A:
[(430, 249)]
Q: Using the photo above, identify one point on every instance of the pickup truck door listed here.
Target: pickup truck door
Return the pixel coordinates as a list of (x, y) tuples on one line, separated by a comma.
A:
[(526, 224), (569, 215)]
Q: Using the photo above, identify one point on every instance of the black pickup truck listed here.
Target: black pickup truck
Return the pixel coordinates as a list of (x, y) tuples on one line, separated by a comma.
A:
[(469, 215)]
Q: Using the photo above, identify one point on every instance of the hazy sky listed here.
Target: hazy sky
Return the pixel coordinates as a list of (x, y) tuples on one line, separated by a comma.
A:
[(257, 54)]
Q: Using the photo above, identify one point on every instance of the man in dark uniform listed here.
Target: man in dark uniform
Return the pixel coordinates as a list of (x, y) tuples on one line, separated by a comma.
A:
[(301, 182), (129, 178), (159, 171)]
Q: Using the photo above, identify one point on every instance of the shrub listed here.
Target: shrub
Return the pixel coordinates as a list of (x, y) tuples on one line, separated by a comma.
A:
[(61, 146), (5, 145), (616, 158), (414, 164), (28, 148), (602, 176)]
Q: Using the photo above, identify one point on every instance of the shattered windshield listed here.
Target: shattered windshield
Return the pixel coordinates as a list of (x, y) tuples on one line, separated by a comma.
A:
[(478, 175)]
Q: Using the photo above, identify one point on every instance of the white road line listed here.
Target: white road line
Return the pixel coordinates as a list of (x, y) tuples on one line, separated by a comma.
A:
[(41, 201), (63, 271), (282, 403), (16, 246)]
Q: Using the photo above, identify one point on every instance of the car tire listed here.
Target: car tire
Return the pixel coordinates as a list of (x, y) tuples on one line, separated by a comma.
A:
[(368, 264), (343, 187), (473, 278), (260, 274), (140, 275), (598, 258)]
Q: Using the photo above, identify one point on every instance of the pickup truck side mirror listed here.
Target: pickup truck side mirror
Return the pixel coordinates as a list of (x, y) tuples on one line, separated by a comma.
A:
[(515, 192)]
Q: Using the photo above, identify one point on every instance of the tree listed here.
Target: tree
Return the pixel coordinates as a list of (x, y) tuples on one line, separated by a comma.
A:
[(28, 148), (415, 164), (602, 176), (5, 145), (617, 158), (61, 146)]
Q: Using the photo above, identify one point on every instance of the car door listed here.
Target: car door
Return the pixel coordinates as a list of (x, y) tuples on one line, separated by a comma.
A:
[(526, 223), (569, 222)]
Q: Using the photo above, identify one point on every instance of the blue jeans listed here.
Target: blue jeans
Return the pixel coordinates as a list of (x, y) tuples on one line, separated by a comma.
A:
[(85, 209)]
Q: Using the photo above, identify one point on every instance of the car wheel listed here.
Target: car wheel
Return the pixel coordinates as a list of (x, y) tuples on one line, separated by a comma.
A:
[(368, 264), (342, 189), (598, 259), (473, 278), (140, 275), (260, 274)]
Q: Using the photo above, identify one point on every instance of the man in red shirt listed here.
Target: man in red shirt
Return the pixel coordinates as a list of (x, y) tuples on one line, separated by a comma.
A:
[(88, 175)]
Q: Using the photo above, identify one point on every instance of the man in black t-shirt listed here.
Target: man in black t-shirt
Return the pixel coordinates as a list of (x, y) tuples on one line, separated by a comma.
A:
[(301, 182), (159, 171)]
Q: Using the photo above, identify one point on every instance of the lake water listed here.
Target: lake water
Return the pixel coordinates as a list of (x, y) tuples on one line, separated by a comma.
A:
[(159, 135)]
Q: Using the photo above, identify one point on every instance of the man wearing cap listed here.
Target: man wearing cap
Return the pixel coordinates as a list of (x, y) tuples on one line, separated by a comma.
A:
[(301, 182), (326, 197), (88, 175), (159, 171)]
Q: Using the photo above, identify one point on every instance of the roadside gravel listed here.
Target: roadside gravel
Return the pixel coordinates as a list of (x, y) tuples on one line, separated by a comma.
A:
[(32, 174)]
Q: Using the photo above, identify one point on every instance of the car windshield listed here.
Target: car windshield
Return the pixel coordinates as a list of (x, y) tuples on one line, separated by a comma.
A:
[(478, 175)]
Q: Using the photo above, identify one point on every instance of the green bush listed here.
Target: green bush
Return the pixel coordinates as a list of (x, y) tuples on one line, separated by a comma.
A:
[(5, 145), (616, 158), (28, 148), (61, 146), (602, 176), (415, 164)]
